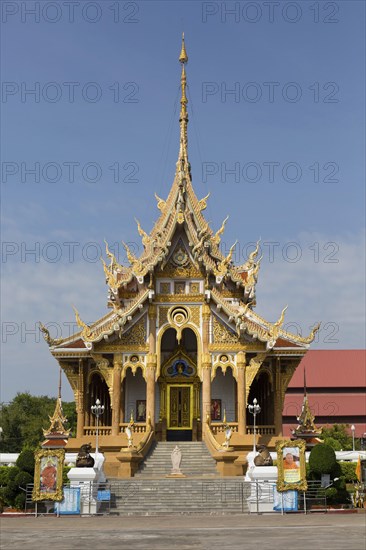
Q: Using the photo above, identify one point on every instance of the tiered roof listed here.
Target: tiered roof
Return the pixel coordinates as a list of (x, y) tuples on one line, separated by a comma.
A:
[(230, 287)]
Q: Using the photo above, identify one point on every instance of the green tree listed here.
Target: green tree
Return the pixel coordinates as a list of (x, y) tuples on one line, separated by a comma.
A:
[(23, 419), (322, 459), (338, 437)]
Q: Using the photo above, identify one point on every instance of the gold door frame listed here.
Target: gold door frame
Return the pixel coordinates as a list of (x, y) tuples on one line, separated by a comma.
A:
[(190, 386)]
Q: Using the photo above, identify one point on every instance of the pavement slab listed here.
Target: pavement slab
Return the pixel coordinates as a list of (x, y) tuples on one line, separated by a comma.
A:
[(249, 532)]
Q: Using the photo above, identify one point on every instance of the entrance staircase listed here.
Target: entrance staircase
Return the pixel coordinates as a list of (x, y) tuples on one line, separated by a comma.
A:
[(203, 491), (196, 460)]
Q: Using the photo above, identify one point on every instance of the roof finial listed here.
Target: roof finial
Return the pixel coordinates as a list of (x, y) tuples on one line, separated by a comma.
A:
[(59, 383), (182, 164), (183, 58)]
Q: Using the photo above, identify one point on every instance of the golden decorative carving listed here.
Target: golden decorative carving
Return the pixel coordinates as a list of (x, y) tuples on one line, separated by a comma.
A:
[(179, 287), (252, 370), (114, 265), (253, 275), (194, 288), (86, 330), (46, 335), (216, 239), (161, 204), (146, 240), (135, 335), (180, 256), (195, 315), (274, 329), (311, 336), (136, 264), (164, 288), (110, 278), (188, 271), (285, 379), (222, 334), (202, 204), (116, 347), (106, 371), (178, 317), (163, 315), (206, 312), (222, 268), (174, 298), (252, 256), (234, 347)]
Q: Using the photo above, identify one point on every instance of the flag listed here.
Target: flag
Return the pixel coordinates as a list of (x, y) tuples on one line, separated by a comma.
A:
[(358, 469)]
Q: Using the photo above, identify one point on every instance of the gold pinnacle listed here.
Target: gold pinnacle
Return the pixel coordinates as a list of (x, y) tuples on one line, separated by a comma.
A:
[(183, 58)]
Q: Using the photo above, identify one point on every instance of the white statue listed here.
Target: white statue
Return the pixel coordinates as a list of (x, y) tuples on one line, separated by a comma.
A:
[(128, 432), (228, 434), (176, 460)]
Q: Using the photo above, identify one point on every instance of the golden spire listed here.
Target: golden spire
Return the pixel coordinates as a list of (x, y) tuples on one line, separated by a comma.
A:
[(183, 58), (57, 419), (306, 418), (183, 117)]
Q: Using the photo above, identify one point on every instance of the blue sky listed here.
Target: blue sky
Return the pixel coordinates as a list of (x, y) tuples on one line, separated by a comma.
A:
[(105, 108)]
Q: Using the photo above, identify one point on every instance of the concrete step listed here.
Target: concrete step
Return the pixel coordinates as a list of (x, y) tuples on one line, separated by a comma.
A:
[(178, 496)]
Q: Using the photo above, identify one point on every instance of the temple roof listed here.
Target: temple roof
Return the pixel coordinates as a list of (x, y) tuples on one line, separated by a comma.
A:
[(131, 287)]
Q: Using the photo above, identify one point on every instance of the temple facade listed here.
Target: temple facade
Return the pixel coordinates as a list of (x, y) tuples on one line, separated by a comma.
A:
[(181, 350)]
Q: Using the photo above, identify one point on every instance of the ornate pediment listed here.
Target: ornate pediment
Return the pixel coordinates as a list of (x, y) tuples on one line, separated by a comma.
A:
[(180, 264)]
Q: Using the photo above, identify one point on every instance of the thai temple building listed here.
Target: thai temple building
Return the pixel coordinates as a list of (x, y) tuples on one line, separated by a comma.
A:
[(181, 350)]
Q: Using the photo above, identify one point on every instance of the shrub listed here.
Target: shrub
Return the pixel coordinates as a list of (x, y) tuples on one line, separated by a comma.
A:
[(334, 443), (11, 489), (4, 475), (348, 470), (322, 459), (25, 461), (19, 501), (65, 471), (22, 479)]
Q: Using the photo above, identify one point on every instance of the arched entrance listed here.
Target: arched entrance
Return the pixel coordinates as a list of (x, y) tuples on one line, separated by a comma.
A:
[(179, 387), (98, 389), (262, 390)]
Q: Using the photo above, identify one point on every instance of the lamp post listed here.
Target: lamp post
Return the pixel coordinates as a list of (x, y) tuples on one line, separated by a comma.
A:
[(97, 410), (353, 437), (254, 410)]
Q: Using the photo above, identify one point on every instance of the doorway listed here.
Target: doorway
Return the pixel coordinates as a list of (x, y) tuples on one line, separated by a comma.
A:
[(180, 411)]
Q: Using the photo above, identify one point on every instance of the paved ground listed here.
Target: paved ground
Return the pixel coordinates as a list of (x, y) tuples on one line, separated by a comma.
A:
[(244, 532)]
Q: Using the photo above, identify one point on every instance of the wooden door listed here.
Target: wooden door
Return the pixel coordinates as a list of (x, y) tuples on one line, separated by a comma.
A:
[(180, 409)]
